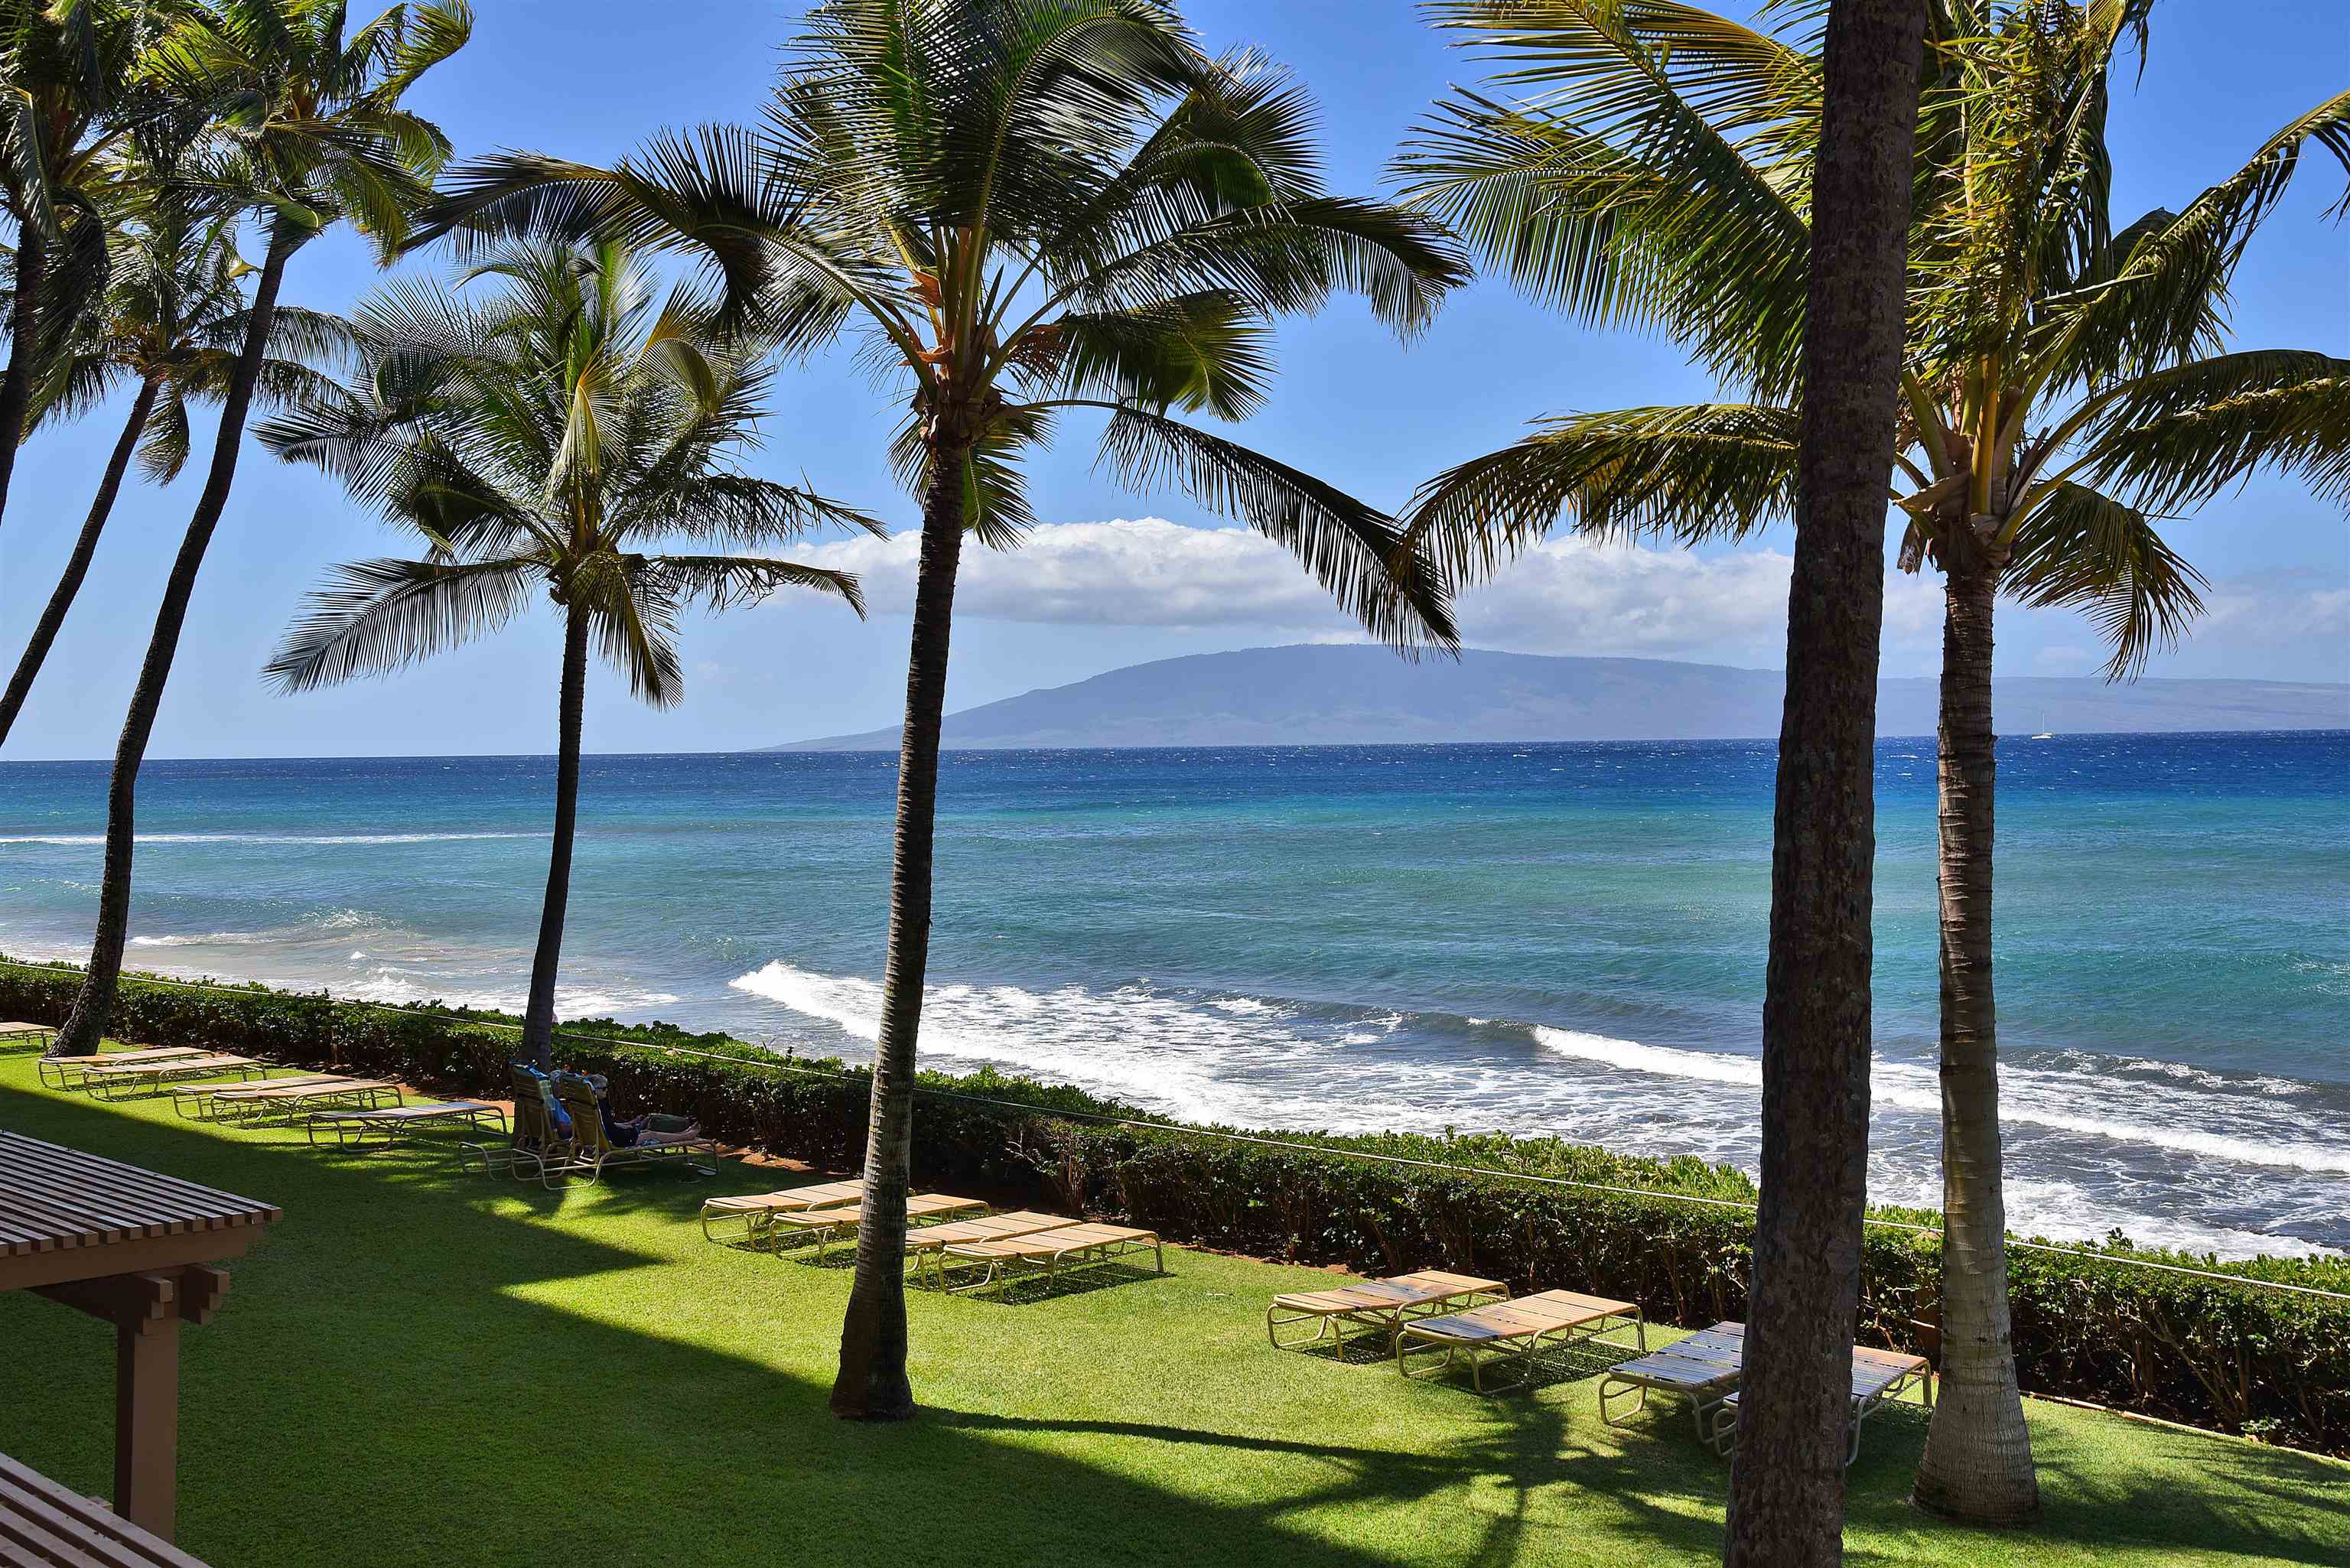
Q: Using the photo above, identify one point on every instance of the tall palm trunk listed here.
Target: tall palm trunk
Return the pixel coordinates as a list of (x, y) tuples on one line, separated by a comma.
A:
[(1977, 1460), (24, 348), (538, 1020), (872, 1384), (1786, 1487), (44, 630), (85, 1026)]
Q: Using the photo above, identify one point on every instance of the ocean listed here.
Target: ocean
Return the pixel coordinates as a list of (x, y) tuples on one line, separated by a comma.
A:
[(1540, 939)]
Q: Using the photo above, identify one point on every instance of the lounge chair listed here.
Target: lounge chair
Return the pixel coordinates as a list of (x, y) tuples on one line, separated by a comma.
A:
[(393, 1124), (534, 1140), (593, 1151), (754, 1211), (268, 1098), (113, 1081), (69, 1073), (1519, 1331), (826, 1226), (194, 1101), (15, 1034), (1703, 1369), (1880, 1377), (926, 1245), (1380, 1304), (1051, 1250)]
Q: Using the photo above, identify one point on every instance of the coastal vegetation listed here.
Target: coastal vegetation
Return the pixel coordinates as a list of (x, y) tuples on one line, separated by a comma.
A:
[(1033, 212), (1039, 212), (539, 438), (2063, 392)]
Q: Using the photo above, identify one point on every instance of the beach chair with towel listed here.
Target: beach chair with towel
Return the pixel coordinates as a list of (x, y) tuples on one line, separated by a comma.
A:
[(597, 1147), (1519, 1332), (1378, 1305), (998, 1263), (1880, 1377), (755, 1212)]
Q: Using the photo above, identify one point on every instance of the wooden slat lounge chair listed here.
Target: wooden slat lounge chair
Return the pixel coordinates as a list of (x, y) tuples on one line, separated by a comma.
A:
[(593, 1151), (194, 1101), (16, 1035), (114, 1081), (754, 1210), (42, 1523), (396, 1124), (1880, 1377), (1702, 1368), (1378, 1305), (927, 1245), (1520, 1331), (269, 1097), (826, 1226), (1050, 1251), (69, 1073)]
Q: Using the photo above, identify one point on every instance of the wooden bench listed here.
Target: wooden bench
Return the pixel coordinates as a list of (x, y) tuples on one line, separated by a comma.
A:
[(45, 1523)]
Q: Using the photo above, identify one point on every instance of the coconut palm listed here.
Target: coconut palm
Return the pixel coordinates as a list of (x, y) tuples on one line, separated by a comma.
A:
[(541, 440), (72, 98), (1036, 210), (167, 329), (309, 132), (2064, 393)]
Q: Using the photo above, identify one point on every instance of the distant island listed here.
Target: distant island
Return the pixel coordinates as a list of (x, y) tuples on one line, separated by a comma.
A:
[(1327, 695)]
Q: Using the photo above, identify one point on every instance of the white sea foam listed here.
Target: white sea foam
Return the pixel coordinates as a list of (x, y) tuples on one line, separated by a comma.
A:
[(2046, 1100)]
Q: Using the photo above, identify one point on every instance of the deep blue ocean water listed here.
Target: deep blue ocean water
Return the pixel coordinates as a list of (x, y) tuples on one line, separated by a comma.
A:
[(1553, 939)]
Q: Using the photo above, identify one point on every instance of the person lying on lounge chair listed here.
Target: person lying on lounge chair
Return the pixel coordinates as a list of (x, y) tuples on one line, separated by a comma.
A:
[(653, 1128)]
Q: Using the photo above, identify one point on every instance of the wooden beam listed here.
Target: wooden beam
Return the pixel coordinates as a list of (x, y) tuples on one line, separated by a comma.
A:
[(122, 1299), (147, 1422)]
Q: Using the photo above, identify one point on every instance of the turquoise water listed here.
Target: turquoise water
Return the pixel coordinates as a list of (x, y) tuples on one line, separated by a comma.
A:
[(1557, 939)]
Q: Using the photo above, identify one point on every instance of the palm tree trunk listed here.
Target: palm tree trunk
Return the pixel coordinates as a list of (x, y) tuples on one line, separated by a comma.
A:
[(538, 1021), (85, 1025), (1786, 1487), (24, 349), (44, 630), (1977, 1460), (872, 1385)]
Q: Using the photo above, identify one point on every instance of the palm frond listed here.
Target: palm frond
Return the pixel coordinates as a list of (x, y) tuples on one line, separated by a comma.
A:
[(2085, 550), (376, 617), (2174, 439)]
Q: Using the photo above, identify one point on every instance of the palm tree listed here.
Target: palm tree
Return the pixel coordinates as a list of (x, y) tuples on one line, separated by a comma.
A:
[(1036, 208), (72, 97), (1787, 1488), (168, 327), (310, 131), (2063, 391), (542, 439)]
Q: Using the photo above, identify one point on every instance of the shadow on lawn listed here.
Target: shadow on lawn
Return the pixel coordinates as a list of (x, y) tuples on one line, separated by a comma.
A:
[(405, 1373)]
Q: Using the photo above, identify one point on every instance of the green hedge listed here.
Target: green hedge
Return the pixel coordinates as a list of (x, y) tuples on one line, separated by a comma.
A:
[(2268, 1363)]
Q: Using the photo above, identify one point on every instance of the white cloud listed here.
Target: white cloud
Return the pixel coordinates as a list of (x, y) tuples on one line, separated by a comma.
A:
[(1563, 596)]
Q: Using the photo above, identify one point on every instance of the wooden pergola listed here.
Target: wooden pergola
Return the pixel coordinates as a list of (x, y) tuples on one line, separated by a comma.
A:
[(140, 1251)]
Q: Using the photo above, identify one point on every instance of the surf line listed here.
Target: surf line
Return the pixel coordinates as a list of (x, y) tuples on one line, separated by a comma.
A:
[(784, 1064)]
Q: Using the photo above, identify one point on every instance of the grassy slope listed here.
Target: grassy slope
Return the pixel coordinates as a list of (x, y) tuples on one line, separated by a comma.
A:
[(425, 1367)]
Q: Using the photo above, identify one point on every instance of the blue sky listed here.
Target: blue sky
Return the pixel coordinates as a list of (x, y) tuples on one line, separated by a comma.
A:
[(587, 79)]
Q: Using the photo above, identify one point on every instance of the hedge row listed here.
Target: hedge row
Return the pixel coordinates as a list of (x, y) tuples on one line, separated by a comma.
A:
[(2267, 1364)]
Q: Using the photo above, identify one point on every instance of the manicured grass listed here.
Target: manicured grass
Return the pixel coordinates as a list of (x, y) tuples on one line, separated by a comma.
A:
[(424, 1366)]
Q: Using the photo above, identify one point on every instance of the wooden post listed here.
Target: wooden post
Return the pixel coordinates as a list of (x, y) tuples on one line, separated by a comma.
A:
[(147, 1419)]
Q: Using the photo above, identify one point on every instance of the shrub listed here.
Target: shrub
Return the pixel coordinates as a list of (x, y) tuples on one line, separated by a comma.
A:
[(2236, 1357)]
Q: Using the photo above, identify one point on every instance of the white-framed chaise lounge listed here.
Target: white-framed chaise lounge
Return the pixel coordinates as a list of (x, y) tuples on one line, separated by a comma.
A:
[(112, 1081), (1880, 1377), (194, 1101), (288, 1099), (1049, 1251), (1383, 1305), (65, 1074), (755, 1211), (1520, 1330), (17, 1033)]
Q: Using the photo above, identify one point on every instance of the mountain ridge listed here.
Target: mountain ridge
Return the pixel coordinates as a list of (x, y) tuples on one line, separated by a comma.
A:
[(1357, 694)]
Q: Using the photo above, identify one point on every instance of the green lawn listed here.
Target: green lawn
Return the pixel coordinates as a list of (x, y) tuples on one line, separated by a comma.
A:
[(423, 1366)]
